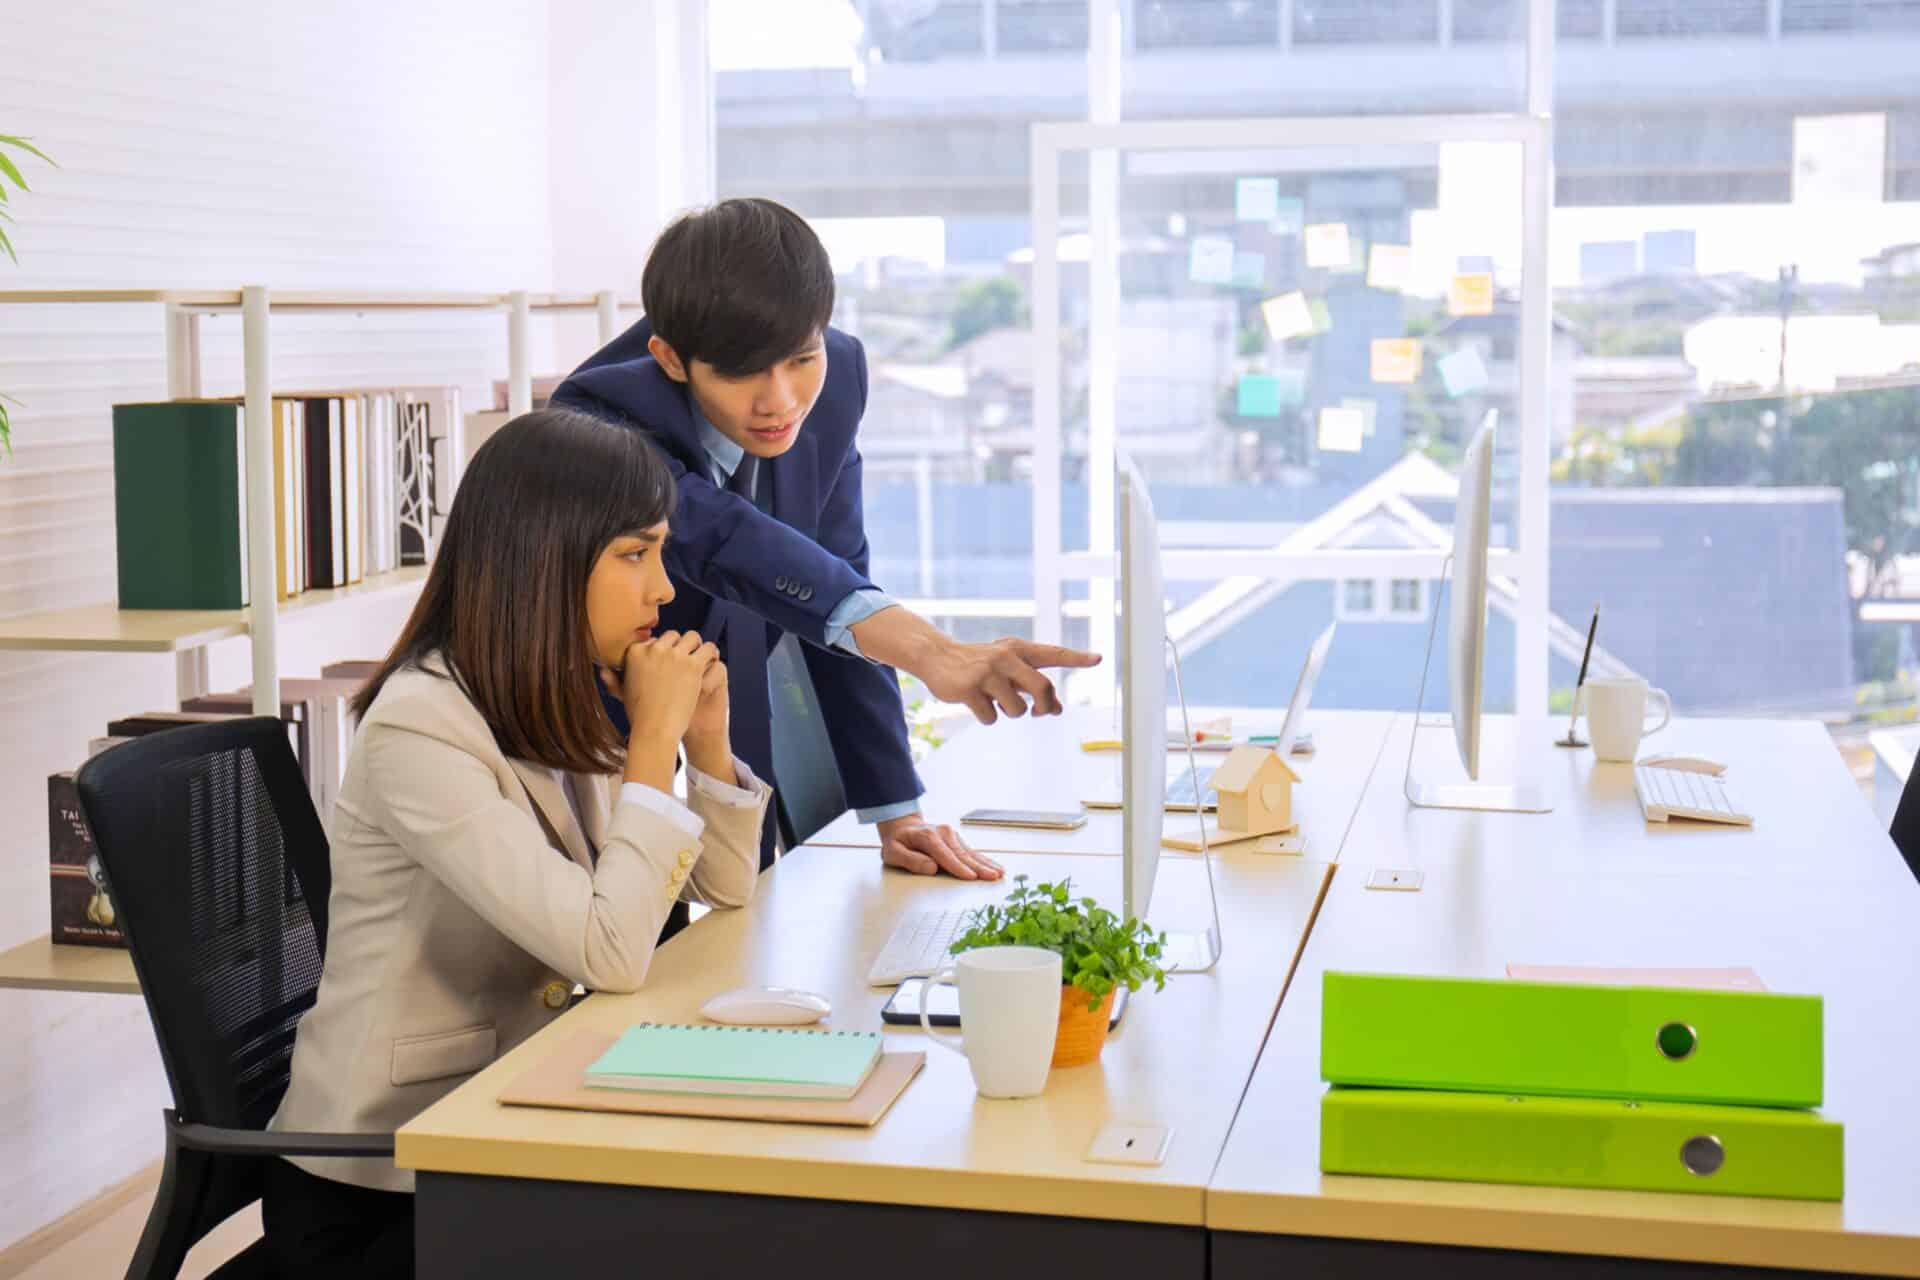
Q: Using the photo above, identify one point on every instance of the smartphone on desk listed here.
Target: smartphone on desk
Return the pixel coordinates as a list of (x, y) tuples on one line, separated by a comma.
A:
[(1039, 819), (943, 1006)]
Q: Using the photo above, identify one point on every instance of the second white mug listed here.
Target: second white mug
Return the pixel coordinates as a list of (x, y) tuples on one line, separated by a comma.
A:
[(1009, 1016), (1617, 715)]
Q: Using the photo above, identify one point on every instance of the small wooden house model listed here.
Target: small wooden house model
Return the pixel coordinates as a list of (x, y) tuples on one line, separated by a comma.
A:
[(1255, 787)]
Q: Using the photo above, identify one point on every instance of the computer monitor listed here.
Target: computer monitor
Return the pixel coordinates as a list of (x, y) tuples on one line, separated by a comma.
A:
[(1296, 721), (1143, 674), (1466, 646)]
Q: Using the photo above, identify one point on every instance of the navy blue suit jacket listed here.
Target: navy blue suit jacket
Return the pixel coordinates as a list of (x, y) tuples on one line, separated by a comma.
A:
[(791, 568)]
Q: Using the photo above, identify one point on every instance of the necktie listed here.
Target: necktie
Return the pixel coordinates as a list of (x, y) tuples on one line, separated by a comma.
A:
[(743, 647)]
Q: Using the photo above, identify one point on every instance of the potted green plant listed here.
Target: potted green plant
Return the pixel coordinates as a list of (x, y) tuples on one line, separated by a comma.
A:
[(9, 170), (1099, 953)]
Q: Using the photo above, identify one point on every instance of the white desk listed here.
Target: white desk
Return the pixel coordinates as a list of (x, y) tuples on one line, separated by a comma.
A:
[(943, 1171), (1038, 764), (1814, 897)]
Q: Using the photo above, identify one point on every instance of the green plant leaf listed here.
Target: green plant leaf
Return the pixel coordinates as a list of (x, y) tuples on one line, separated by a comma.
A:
[(6, 426), (12, 170), (16, 141), (6, 246)]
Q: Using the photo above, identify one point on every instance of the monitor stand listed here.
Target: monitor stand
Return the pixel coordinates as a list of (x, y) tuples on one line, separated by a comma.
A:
[(1491, 797), (1191, 952)]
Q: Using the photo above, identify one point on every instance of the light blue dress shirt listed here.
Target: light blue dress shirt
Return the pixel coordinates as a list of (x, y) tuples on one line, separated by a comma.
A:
[(725, 456)]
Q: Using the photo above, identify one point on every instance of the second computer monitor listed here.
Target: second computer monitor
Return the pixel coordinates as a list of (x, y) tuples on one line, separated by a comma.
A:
[(1143, 674), (1467, 601)]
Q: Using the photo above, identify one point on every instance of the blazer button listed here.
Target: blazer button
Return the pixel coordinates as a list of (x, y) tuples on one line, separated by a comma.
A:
[(686, 858), (554, 995), (806, 593), (780, 583)]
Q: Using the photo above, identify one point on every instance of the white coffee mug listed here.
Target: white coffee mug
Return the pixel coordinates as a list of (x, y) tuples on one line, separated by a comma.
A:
[(1009, 1015), (1617, 715)]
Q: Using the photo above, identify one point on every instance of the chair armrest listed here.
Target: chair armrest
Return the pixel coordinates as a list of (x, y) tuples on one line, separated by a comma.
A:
[(273, 1142)]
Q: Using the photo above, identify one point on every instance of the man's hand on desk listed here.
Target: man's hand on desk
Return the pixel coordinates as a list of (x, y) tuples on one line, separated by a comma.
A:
[(911, 843), (1001, 676)]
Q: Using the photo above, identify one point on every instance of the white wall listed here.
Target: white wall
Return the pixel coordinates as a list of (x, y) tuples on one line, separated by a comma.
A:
[(356, 144)]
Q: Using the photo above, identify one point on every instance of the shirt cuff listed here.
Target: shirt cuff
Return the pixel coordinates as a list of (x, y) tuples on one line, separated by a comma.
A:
[(885, 812), (746, 795), (856, 608), (668, 807)]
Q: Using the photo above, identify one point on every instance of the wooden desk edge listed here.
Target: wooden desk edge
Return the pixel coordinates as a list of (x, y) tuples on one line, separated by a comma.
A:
[(998, 1192), (1623, 1234)]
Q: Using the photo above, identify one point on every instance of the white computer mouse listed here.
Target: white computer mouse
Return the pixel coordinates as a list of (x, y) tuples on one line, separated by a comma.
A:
[(766, 1007), (1686, 764)]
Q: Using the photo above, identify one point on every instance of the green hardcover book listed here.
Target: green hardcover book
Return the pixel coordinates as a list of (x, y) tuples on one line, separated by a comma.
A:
[(772, 1062), (180, 504), (1498, 1035), (1580, 1142)]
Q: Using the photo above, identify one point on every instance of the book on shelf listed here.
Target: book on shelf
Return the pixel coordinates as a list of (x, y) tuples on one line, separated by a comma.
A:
[(289, 496), (180, 504), (325, 449), (323, 704), (82, 901), (429, 458), (543, 388), (380, 513)]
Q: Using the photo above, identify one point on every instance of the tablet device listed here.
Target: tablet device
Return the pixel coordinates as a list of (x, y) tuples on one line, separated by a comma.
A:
[(943, 1006)]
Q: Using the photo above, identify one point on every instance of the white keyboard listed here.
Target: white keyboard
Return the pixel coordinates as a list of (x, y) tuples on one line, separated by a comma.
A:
[(919, 944), (1678, 793)]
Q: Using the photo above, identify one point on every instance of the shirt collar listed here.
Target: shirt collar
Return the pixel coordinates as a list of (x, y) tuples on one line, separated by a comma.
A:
[(726, 454)]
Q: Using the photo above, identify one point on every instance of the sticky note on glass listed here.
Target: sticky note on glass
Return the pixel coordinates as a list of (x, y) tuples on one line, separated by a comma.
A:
[(1470, 294), (1289, 215), (1342, 429), (1463, 372), (1259, 396), (1395, 359), (1474, 264), (1249, 269), (1210, 261), (1389, 266), (1256, 199), (1328, 245), (1369, 413), (1288, 316)]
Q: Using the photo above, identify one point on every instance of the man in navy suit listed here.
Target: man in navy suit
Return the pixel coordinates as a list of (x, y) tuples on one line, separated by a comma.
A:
[(736, 374)]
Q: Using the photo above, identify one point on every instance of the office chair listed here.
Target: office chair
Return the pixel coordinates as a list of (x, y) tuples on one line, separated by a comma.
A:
[(218, 868), (1906, 822), (809, 794)]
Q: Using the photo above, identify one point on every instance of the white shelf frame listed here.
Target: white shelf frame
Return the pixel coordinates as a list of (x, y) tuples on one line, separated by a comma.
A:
[(187, 633)]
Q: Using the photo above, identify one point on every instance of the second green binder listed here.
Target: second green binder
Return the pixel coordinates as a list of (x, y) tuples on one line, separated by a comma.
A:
[(1580, 1142), (1655, 1043)]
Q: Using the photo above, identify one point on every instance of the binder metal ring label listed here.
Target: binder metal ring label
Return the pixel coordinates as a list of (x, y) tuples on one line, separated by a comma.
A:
[(1676, 1040), (1703, 1155)]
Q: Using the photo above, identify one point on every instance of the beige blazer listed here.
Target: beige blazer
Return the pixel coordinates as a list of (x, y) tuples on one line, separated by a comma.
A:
[(467, 901)]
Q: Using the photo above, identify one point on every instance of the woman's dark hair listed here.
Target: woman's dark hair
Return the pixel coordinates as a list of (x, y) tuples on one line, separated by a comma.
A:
[(505, 603), (742, 286)]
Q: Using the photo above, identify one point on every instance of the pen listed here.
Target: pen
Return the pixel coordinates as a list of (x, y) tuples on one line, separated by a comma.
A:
[(1585, 655)]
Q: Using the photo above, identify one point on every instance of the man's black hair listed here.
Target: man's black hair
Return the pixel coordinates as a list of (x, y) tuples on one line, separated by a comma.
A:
[(742, 285)]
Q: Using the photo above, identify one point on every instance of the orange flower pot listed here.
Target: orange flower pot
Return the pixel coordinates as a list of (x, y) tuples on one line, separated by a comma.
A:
[(1082, 1031)]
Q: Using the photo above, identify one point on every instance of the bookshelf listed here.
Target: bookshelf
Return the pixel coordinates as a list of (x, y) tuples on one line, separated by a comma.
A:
[(105, 628)]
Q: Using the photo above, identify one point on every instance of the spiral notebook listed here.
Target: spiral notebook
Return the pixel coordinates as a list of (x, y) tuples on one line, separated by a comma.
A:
[(759, 1062)]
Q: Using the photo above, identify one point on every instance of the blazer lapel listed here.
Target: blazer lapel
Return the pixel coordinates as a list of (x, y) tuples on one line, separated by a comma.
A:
[(551, 804)]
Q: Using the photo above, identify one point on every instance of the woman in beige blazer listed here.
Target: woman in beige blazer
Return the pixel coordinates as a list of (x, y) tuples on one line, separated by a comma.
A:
[(494, 841)]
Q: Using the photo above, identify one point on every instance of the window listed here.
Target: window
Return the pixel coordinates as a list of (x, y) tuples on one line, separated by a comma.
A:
[(1408, 597), (1702, 492)]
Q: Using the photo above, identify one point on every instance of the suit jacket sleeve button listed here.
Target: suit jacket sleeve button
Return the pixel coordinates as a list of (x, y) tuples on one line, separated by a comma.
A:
[(806, 593)]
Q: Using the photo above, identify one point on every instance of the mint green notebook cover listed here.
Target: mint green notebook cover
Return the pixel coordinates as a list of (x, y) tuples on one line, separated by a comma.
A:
[(1581, 1142), (721, 1059), (1649, 1043)]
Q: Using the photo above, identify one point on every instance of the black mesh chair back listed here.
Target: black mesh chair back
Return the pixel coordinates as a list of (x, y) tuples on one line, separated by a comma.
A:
[(217, 865), (1906, 822)]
